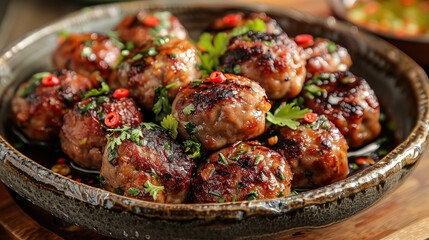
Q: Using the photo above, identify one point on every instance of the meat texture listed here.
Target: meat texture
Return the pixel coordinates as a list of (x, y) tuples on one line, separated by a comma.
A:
[(148, 164), (83, 134), (156, 64), (272, 60), (230, 21), (348, 101), (38, 109), (139, 28), (317, 152), (221, 113), (86, 53), (244, 171), (324, 56)]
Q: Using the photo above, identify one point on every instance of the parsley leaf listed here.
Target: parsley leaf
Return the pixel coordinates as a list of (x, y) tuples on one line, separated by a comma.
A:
[(252, 195), (162, 106), (312, 90), (170, 124), (95, 92), (189, 109), (133, 191), (148, 125), (152, 189), (331, 46), (252, 25), (284, 115), (191, 128), (37, 79), (193, 148), (215, 48)]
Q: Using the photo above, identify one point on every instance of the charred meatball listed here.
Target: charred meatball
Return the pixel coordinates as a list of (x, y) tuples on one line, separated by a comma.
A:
[(86, 53), (317, 152), (148, 164), (153, 65), (39, 104), (272, 60), (323, 55), (146, 25), (348, 101), (244, 171), (221, 113), (83, 134), (230, 21)]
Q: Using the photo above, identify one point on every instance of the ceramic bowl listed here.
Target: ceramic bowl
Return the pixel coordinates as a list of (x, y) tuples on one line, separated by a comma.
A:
[(401, 86), (416, 47)]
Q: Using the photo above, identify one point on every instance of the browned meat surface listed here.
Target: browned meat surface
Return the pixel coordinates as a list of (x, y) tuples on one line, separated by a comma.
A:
[(86, 53), (38, 109), (152, 65), (274, 61), (347, 101), (325, 56), (317, 153), (223, 112), (83, 134), (148, 158), (230, 21), (244, 171), (137, 30)]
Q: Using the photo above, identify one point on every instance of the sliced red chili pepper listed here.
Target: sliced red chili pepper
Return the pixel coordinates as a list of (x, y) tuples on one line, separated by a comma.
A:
[(61, 160), (120, 93), (303, 38), (50, 80), (111, 119), (231, 19), (310, 117), (217, 77), (78, 180), (151, 21)]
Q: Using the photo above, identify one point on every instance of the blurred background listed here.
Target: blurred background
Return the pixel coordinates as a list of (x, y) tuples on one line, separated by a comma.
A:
[(404, 23)]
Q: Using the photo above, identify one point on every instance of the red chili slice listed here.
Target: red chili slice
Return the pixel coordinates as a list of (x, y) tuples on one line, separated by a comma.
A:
[(111, 119), (120, 93), (217, 77), (310, 117), (50, 80), (231, 19), (151, 21), (61, 160), (303, 38)]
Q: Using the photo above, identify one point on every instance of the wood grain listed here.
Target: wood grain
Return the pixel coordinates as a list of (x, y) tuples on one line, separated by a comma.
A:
[(404, 214)]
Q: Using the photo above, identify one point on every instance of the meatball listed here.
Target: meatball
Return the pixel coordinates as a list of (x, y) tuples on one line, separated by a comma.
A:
[(272, 60), (221, 113), (230, 21), (347, 101), (146, 25), (147, 165), (153, 65), (83, 134), (244, 171), (38, 107), (317, 152), (86, 53), (325, 56)]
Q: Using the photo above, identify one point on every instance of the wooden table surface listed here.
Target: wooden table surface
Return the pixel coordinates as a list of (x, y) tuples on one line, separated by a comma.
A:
[(404, 214)]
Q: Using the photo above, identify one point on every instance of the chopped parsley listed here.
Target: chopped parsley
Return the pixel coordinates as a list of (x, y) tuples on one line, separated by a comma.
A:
[(252, 25), (161, 40), (312, 90), (152, 189), (280, 176), (353, 166), (86, 52), (191, 128), (237, 70), (148, 125), (162, 106), (195, 83), (95, 92), (331, 46), (170, 123), (167, 146), (193, 148), (238, 155), (221, 200), (258, 159), (189, 109), (119, 191), (252, 195), (285, 115), (234, 197), (115, 38), (133, 191), (268, 43), (215, 194), (222, 159), (281, 194), (173, 55)]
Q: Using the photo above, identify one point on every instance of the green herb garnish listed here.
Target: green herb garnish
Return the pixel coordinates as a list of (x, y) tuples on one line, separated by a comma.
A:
[(133, 191), (170, 123), (189, 109), (331, 46), (162, 106), (95, 92), (37, 79), (193, 148), (234, 196), (215, 194), (312, 90), (252, 195), (191, 128), (152, 189), (284, 115), (222, 159), (258, 159)]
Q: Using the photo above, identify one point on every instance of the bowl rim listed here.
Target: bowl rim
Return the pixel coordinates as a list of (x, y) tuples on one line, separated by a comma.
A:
[(406, 153), (339, 10)]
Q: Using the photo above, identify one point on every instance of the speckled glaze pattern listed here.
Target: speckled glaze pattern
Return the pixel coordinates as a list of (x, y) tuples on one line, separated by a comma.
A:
[(399, 82)]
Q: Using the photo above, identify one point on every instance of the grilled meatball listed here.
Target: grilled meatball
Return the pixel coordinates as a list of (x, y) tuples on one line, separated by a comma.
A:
[(152, 65), (83, 134), (230, 21), (348, 101), (38, 108), (223, 113), (274, 61), (146, 25), (86, 53), (317, 152), (244, 171), (325, 56), (147, 159)]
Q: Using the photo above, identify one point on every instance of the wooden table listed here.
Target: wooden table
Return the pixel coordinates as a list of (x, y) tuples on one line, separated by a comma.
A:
[(404, 214)]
